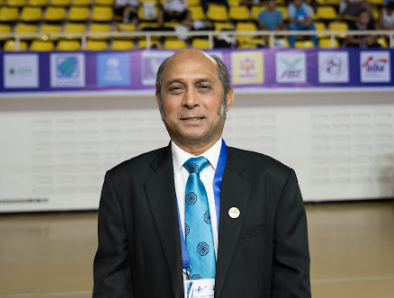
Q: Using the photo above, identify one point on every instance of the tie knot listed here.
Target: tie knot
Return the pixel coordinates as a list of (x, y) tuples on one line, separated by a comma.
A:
[(195, 164)]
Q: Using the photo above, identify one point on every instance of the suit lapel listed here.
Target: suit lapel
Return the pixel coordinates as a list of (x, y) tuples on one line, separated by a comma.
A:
[(160, 192), (235, 192)]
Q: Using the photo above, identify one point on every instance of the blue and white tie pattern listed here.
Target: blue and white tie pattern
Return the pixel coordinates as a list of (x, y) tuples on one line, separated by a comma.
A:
[(198, 230)]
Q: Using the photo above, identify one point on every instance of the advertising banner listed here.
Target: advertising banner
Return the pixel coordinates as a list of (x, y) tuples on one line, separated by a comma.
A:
[(260, 70)]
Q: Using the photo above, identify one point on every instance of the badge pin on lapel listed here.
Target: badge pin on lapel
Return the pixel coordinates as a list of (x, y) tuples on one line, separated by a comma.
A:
[(234, 212)]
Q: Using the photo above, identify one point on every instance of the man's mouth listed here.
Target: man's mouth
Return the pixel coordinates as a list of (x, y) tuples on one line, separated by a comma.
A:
[(192, 118)]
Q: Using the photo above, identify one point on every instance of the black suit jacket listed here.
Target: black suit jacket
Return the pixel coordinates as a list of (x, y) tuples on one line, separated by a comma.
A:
[(262, 253)]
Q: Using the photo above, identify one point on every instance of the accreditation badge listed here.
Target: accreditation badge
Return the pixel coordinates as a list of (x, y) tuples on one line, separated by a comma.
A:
[(199, 288)]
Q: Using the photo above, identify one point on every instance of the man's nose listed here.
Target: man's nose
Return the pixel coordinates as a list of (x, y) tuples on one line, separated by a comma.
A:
[(191, 98)]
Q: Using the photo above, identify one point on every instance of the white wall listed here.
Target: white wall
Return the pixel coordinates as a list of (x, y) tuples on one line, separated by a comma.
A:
[(54, 151)]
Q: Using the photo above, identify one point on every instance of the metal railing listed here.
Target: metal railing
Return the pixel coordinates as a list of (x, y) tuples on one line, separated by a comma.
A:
[(149, 35)]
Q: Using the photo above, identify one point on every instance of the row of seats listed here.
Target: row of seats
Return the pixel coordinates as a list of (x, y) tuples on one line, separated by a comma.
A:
[(105, 14), (170, 44)]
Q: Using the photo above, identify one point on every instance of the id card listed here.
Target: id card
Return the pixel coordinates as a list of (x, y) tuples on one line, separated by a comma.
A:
[(199, 288)]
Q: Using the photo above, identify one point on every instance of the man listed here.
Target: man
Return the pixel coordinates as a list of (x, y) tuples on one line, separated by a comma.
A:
[(173, 10), (349, 9), (270, 18), (255, 232), (300, 18), (362, 23)]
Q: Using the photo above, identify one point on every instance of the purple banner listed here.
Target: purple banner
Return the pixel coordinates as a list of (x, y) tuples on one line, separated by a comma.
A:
[(250, 70)]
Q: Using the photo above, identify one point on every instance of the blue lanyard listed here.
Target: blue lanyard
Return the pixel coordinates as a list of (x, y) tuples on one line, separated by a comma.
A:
[(217, 185)]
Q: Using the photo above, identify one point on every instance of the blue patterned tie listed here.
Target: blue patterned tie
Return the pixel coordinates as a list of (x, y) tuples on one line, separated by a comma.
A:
[(198, 231)]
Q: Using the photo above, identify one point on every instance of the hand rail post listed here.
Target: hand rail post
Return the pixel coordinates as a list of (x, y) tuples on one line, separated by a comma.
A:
[(272, 39), (210, 40), (83, 41), (17, 42)]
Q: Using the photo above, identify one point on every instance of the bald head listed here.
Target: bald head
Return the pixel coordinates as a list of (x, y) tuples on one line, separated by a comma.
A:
[(190, 55)]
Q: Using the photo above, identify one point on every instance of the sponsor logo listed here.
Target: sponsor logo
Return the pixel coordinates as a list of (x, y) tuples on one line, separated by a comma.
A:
[(67, 70), (247, 67), (150, 62), (290, 67), (20, 71), (333, 67), (375, 67), (113, 69)]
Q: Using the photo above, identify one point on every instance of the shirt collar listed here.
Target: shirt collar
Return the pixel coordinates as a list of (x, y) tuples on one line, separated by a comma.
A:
[(180, 156)]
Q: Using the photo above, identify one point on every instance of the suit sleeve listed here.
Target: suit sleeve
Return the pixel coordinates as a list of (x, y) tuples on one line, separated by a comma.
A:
[(111, 270), (291, 252)]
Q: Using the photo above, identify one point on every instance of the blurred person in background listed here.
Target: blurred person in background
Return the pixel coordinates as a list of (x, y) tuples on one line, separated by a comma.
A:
[(173, 10), (300, 18), (270, 18), (386, 17), (362, 23), (127, 10), (350, 8)]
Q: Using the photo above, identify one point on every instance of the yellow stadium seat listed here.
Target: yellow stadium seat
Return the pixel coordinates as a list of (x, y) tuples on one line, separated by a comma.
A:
[(326, 13), (122, 27), (144, 17), (191, 3), (320, 26), (283, 10), (48, 29), (234, 2), (78, 14), (25, 29), (102, 14), (68, 45), (280, 2), (60, 2), (153, 44), (31, 14), (8, 14), (245, 26), (304, 44), (219, 26), (375, 13), (376, 2), (82, 2), (96, 45), (217, 13), (326, 43), (40, 45), (383, 43), (255, 11), (142, 1), (171, 24), (200, 43), (333, 2), (246, 44), (38, 2), (10, 45), (174, 44), (55, 14), (148, 25), (99, 28), (17, 3), (121, 45), (104, 2), (72, 28), (196, 12), (5, 29), (239, 13), (339, 26)]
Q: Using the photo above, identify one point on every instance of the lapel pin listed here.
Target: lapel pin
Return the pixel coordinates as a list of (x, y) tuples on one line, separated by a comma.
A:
[(233, 212)]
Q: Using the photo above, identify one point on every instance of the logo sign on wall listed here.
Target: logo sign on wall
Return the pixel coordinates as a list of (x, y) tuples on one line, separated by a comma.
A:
[(150, 62), (247, 67), (20, 71), (113, 69), (375, 67), (67, 70), (333, 67), (290, 67)]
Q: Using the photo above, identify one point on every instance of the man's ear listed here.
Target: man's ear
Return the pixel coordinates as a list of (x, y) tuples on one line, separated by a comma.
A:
[(230, 99)]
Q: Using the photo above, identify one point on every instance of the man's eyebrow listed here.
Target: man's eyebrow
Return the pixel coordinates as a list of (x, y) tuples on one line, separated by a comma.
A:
[(200, 80), (173, 81)]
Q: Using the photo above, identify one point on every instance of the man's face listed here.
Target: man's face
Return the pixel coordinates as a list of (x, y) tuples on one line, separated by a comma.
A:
[(191, 99), (363, 18), (297, 3), (271, 4)]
